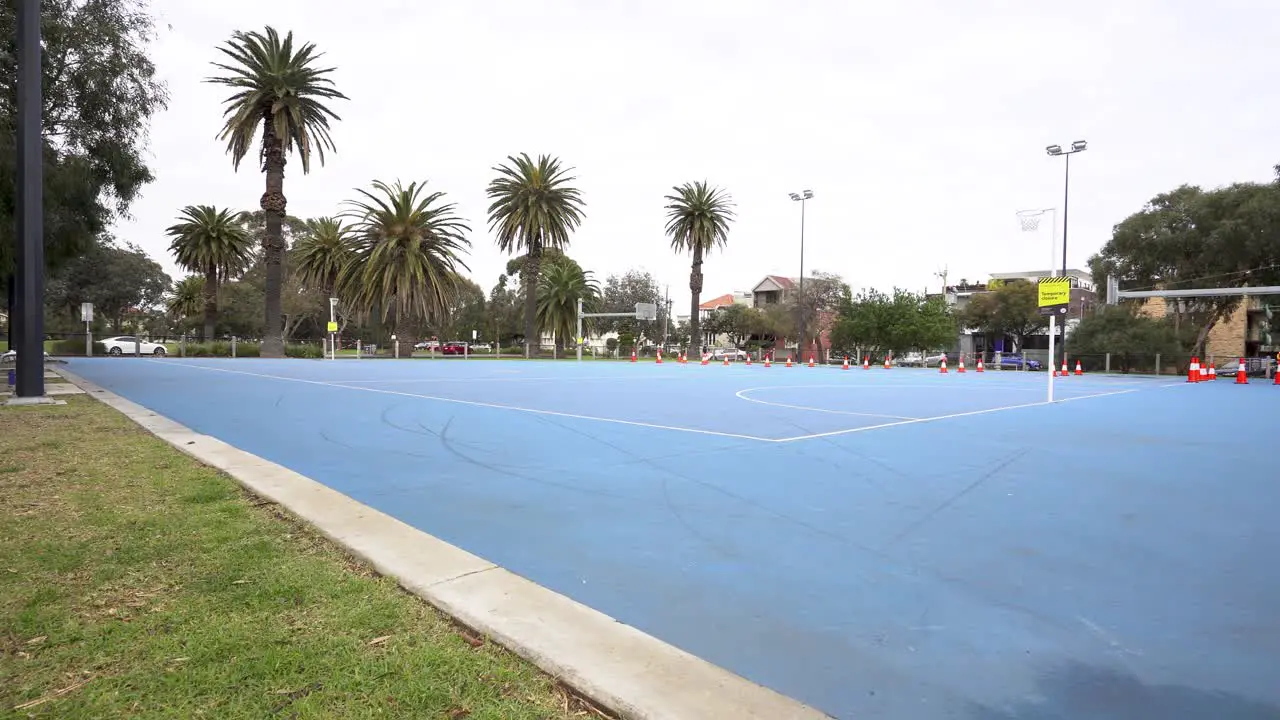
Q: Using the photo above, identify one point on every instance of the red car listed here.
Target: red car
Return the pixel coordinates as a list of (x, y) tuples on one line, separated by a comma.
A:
[(453, 349)]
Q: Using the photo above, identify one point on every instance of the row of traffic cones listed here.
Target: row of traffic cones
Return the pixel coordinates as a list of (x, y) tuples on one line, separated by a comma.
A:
[(1198, 372)]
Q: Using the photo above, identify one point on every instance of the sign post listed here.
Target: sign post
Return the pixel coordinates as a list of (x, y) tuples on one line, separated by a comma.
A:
[(333, 328), (1053, 299), (86, 315)]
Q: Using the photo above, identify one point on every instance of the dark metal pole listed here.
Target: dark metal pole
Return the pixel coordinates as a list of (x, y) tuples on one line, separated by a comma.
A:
[(1066, 196), (800, 348), (30, 246)]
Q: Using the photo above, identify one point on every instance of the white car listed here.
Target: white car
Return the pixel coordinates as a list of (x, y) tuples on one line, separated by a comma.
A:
[(128, 344), (731, 353), (12, 356)]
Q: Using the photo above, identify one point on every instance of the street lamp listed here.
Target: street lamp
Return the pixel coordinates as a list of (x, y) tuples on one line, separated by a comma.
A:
[(801, 198), (1056, 151)]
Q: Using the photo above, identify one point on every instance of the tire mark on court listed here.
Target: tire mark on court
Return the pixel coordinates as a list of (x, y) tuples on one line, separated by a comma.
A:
[(993, 472)]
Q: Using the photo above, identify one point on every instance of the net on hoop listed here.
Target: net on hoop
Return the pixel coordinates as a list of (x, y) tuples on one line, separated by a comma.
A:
[(1030, 221)]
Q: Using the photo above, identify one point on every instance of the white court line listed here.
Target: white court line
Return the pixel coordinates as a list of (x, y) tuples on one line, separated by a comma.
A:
[(562, 378), (475, 403), (916, 421), (741, 396)]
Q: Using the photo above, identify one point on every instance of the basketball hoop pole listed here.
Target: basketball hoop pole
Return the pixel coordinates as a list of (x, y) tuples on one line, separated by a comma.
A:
[(1030, 220)]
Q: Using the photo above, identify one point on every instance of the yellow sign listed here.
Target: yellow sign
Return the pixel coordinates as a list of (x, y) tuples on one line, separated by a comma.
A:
[(1054, 291), (333, 327)]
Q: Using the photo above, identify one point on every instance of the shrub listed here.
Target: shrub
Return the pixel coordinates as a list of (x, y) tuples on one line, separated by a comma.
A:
[(300, 350), (75, 346)]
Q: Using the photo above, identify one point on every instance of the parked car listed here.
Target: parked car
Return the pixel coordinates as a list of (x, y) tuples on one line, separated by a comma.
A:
[(453, 348), (936, 360), (731, 353), (1009, 361), (12, 356), (1253, 367), (912, 359), (128, 344)]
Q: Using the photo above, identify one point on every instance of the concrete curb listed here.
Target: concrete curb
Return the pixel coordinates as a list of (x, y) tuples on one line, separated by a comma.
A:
[(633, 674)]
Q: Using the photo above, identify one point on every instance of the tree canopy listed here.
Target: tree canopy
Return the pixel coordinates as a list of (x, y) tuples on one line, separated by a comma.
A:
[(1194, 238), (1011, 309), (100, 92), (895, 323), (116, 277)]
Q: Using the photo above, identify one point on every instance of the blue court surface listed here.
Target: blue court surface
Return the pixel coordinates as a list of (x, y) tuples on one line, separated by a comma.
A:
[(879, 544)]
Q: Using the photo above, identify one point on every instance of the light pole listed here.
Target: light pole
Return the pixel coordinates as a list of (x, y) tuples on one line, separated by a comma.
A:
[(801, 198), (26, 311), (1057, 151)]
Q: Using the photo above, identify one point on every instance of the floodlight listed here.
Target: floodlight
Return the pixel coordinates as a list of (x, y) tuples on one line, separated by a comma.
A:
[(795, 197), (808, 194), (1054, 149), (1079, 145)]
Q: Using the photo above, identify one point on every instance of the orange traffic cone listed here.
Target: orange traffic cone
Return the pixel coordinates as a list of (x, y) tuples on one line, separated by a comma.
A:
[(706, 358), (1277, 382), (943, 368), (748, 359), (1242, 377), (633, 354), (1213, 371), (1193, 370), (866, 362), (845, 366), (788, 361), (811, 360), (980, 367), (659, 356), (1204, 373), (886, 362), (726, 361), (767, 358), (1065, 373), (1079, 367), (961, 368)]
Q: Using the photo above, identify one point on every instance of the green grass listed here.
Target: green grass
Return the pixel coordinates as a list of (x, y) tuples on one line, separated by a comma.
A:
[(135, 582)]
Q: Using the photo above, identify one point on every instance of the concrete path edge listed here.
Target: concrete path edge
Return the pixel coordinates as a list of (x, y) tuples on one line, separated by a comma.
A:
[(632, 674)]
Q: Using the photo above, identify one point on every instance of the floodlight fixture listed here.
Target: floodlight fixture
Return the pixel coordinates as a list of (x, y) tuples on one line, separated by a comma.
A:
[(1054, 149)]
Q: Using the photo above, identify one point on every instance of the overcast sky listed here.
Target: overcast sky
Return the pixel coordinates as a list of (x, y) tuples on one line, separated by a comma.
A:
[(919, 126)]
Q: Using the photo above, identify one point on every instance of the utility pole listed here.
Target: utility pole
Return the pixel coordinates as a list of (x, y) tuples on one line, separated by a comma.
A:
[(666, 321)]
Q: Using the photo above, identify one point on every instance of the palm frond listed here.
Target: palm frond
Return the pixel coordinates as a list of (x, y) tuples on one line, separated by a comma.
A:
[(534, 205), (206, 237), (698, 215), (277, 86), (407, 251)]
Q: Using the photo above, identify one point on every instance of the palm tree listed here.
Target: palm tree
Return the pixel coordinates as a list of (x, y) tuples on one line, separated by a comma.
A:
[(559, 290), (213, 242), (534, 208), (322, 252), (187, 298), (698, 218), (280, 94), (406, 254)]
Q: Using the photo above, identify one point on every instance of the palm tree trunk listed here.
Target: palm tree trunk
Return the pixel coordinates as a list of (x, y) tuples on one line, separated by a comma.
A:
[(695, 287), (210, 302), (532, 265), (273, 207)]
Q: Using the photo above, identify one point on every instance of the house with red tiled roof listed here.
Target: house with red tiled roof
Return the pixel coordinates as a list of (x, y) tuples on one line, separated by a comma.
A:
[(771, 290), (774, 289)]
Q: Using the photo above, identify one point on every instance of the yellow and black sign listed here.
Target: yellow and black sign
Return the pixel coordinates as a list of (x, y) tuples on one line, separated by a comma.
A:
[(333, 327), (1054, 291)]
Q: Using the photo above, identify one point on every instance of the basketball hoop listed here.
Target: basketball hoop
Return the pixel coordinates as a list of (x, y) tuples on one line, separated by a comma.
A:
[(1030, 220)]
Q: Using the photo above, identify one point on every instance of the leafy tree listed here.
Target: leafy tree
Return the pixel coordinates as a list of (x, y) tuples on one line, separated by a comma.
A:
[(186, 300), (894, 323), (559, 289), (467, 312), (214, 242), (1129, 336), (550, 256), (503, 311), (534, 207), (823, 294), (1190, 238), (1011, 309), (280, 95), (739, 322), (407, 253), (621, 293), (99, 94), (698, 218), (679, 335), (319, 255), (115, 278)]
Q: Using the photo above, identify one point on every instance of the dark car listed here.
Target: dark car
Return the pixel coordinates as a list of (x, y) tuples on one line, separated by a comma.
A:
[(1015, 362), (453, 349)]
